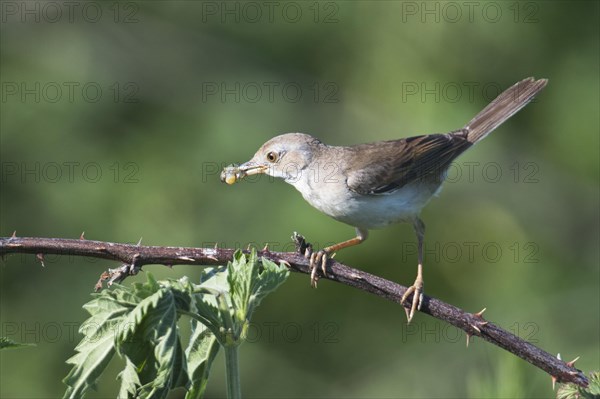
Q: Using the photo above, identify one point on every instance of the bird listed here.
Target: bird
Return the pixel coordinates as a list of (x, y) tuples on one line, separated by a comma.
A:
[(372, 185)]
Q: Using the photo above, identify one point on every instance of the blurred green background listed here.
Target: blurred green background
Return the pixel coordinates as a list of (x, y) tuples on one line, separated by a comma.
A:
[(116, 118)]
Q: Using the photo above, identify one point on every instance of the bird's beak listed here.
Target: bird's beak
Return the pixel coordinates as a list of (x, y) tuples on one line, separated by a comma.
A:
[(233, 173)]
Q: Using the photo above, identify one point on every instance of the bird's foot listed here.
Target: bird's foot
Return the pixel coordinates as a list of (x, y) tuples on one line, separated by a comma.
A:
[(317, 259), (417, 300)]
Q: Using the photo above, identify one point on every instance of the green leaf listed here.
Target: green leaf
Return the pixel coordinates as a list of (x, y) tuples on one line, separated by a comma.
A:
[(201, 352), (269, 279), (209, 297), (97, 347), (129, 380), (150, 341), (7, 343), (107, 310), (226, 299), (251, 281), (242, 274), (140, 324), (572, 391)]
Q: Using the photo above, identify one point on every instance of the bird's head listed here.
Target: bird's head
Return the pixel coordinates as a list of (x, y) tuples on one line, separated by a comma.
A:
[(285, 156)]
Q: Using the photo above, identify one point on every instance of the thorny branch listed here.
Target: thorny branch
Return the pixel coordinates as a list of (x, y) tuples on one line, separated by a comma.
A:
[(133, 257)]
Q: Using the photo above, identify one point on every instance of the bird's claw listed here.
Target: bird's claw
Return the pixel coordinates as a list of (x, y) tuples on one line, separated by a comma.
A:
[(417, 300), (316, 258)]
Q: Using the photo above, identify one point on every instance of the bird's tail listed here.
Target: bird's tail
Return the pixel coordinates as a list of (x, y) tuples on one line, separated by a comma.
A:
[(503, 107)]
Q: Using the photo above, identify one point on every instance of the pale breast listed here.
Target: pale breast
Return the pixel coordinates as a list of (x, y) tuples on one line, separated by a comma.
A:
[(366, 211)]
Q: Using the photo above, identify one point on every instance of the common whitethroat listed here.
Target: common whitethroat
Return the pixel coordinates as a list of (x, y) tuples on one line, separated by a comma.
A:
[(372, 185)]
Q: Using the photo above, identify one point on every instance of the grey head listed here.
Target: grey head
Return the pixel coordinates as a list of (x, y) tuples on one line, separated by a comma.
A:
[(285, 156)]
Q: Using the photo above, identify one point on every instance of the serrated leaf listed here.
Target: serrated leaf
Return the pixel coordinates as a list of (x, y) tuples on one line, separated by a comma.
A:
[(227, 298), (213, 284), (91, 360), (140, 323), (242, 275), (97, 347), (150, 341), (129, 380), (271, 277), (263, 283), (136, 316), (572, 391), (201, 352)]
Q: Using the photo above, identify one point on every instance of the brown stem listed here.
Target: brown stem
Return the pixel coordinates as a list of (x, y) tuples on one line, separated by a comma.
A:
[(133, 257)]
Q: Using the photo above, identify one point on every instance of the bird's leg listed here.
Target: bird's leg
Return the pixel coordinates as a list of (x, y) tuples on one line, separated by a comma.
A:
[(417, 288), (321, 256)]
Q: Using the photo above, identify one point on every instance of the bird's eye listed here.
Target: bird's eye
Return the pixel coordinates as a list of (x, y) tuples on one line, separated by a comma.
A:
[(272, 156)]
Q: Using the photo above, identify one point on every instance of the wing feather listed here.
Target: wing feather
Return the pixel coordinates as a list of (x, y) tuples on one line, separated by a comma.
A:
[(400, 162)]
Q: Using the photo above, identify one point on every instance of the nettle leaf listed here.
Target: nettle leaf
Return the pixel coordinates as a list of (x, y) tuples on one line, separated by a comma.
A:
[(252, 281), (97, 347), (241, 276), (200, 353), (136, 316), (150, 341), (227, 298), (572, 391), (139, 323), (271, 277), (129, 380), (213, 285)]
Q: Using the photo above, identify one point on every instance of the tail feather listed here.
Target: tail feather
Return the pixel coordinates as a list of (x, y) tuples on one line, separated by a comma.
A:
[(503, 107)]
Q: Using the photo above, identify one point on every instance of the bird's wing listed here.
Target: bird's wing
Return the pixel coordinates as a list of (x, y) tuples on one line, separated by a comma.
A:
[(404, 161)]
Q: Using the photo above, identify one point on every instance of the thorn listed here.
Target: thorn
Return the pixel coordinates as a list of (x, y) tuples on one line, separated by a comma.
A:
[(82, 236), (572, 362), (468, 339), (40, 257), (211, 258), (14, 234), (285, 262), (216, 246), (248, 248), (307, 253), (139, 242), (482, 323), (333, 255), (266, 248), (553, 377)]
